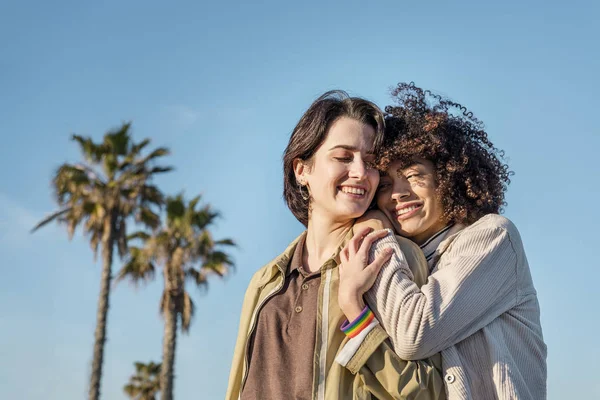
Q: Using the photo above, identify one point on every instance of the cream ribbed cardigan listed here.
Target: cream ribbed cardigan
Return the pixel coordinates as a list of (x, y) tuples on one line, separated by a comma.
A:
[(479, 308)]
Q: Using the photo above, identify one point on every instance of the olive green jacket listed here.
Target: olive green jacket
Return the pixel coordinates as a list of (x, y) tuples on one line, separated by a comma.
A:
[(374, 370)]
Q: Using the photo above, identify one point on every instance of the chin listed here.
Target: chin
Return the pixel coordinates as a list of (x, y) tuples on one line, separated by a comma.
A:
[(355, 213), (405, 232)]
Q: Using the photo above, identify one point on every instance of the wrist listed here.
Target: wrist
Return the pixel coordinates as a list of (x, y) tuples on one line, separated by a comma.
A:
[(355, 327), (352, 307)]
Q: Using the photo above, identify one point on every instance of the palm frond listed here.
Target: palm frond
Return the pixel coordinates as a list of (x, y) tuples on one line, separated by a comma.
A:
[(158, 152), (194, 202), (151, 194), (163, 305), (219, 263), (160, 170), (50, 218), (118, 140), (90, 150), (138, 267), (139, 235), (71, 226), (145, 383), (110, 165), (219, 257), (148, 218), (225, 242), (121, 238), (94, 241), (187, 312), (205, 217), (197, 277), (131, 390), (70, 177), (138, 147), (175, 207)]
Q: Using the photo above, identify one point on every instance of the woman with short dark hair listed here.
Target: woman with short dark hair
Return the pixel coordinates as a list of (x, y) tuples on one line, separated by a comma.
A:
[(290, 324)]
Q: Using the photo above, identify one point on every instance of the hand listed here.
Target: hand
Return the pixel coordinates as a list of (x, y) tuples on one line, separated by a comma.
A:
[(356, 277)]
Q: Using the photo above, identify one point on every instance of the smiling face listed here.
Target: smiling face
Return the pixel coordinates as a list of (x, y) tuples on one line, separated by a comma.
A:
[(408, 197), (341, 177)]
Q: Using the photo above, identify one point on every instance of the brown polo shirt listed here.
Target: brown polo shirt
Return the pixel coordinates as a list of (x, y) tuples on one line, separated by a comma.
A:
[(283, 344)]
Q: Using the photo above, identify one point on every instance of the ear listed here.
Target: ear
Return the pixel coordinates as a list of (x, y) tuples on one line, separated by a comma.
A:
[(300, 169)]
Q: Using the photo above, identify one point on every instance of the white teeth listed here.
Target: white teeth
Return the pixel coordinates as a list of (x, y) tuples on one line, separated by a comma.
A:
[(352, 190), (406, 210)]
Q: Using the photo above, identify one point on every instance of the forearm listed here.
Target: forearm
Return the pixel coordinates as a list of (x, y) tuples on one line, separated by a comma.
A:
[(453, 304)]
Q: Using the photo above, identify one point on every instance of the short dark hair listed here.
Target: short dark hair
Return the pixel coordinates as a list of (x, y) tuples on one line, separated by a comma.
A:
[(311, 132), (471, 175)]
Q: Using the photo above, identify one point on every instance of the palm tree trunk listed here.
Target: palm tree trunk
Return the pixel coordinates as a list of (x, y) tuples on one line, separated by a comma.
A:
[(169, 342), (100, 334)]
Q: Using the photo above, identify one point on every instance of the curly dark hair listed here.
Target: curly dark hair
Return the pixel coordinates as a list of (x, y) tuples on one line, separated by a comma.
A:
[(471, 174)]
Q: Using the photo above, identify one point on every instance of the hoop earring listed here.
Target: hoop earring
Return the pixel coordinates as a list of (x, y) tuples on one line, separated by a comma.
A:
[(306, 196)]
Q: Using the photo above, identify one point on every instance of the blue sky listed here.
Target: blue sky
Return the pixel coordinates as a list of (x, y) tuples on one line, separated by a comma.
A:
[(223, 84)]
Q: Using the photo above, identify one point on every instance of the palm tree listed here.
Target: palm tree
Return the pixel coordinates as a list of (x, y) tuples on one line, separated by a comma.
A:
[(186, 251), (111, 185), (144, 384)]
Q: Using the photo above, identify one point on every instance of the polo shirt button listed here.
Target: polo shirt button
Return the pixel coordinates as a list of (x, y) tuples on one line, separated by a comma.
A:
[(449, 378), (305, 286), (298, 309)]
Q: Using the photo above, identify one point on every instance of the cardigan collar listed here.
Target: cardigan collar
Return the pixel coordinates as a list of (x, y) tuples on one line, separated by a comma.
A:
[(438, 243)]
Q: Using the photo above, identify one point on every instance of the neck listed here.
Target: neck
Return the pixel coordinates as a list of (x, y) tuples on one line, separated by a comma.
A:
[(323, 238)]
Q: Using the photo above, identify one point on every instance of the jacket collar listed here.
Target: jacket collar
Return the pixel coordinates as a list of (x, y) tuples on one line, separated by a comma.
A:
[(279, 265)]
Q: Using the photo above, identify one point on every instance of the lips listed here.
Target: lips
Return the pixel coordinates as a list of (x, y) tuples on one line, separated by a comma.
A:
[(408, 210), (353, 190)]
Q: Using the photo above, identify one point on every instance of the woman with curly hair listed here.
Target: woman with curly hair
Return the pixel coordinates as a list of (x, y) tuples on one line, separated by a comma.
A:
[(443, 188)]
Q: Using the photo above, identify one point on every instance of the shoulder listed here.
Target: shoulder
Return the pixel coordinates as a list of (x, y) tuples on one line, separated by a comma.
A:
[(262, 276), (493, 223), (490, 231), (266, 273), (410, 248), (415, 259)]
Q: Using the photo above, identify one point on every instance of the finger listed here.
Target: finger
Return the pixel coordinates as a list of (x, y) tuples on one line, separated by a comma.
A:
[(354, 243), (368, 242), (344, 255), (374, 268), (371, 272), (357, 239)]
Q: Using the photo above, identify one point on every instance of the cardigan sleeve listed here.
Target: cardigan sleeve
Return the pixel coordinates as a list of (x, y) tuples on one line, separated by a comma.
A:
[(475, 284)]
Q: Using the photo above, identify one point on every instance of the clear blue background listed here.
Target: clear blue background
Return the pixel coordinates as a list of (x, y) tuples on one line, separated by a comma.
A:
[(223, 85)]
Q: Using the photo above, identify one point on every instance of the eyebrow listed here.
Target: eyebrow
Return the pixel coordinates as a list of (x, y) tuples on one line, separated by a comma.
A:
[(399, 170), (351, 148)]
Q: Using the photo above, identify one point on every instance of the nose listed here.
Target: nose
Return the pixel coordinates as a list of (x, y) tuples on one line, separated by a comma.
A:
[(401, 190), (358, 169)]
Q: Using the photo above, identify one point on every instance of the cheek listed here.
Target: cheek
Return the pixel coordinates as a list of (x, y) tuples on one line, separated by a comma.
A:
[(439, 208), (326, 175), (383, 199), (425, 191), (435, 205), (335, 172), (373, 177)]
